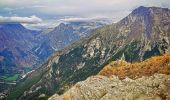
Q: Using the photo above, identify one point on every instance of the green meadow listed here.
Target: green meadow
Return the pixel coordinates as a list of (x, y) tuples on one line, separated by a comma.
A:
[(9, 77)]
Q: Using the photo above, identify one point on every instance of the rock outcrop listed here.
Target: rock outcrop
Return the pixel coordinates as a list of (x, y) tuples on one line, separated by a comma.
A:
[(156, 87)]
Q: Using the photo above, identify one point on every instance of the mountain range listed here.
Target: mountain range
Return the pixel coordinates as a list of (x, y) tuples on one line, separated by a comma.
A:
[(67, 33), (23, 50), (22, 47), (142, 34)]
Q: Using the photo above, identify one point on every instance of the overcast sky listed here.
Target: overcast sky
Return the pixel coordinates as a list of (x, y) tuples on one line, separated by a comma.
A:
[(41, 10)]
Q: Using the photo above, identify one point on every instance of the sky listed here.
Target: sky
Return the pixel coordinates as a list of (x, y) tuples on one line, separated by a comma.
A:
[(48, 11)]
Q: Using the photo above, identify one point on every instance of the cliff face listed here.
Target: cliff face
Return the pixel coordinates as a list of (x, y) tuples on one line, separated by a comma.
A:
[(121, 80), (142, 34)]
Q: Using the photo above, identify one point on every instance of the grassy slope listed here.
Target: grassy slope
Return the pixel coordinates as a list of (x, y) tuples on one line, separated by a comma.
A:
[(158, 64)]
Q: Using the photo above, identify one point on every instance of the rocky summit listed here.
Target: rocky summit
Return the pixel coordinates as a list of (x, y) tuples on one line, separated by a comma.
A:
[(139, 36)]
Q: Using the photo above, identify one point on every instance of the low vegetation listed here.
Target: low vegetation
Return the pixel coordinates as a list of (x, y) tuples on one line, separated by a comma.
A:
[(159, 64), (9, 77)]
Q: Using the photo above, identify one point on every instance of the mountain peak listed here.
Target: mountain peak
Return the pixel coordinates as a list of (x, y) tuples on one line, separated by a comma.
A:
[(11, 25), (62, 24), (142, 7), (141, 11)]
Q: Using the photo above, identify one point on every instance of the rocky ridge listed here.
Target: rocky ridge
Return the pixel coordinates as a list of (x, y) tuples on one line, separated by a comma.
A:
[(99, 87)]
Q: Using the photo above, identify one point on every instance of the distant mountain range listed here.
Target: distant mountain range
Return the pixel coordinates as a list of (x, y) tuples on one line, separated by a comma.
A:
[(65, 34), (21, 47), (23, 50), (141, 35)]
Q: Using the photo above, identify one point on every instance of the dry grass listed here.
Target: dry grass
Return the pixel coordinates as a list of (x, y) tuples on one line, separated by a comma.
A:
[(158, 64)]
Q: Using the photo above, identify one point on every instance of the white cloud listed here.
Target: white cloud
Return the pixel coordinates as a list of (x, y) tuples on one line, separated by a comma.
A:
[(116, 9), (26, 20), (77, 10), (75, 19)]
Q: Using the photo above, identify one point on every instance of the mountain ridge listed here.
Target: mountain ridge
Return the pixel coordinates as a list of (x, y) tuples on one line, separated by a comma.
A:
[(88, 56)]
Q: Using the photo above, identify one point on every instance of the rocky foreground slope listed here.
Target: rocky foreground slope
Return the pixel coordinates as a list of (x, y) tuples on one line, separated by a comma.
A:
[(146, 82), (156, 87)]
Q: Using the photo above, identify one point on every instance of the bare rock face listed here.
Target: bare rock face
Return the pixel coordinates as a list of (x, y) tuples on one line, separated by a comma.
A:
[(156, 87)]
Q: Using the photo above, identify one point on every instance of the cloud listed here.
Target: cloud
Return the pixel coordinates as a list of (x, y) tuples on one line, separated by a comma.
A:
[(78, 19), (26, 20), (54, 11), (116, 9)]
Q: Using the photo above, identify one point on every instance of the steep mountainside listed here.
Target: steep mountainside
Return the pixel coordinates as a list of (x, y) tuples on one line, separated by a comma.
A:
[(19, 47), (20, 51), (142, 34), (16, 44), (148, 81)]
